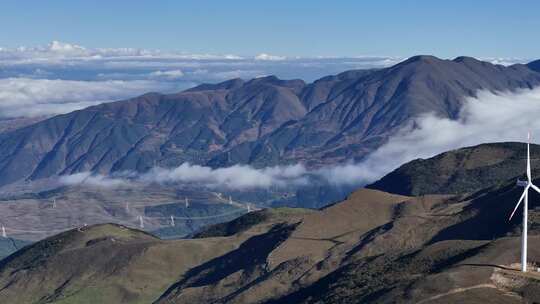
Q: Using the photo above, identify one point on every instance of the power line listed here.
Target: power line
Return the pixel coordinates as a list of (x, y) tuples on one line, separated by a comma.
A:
[(132, 223)]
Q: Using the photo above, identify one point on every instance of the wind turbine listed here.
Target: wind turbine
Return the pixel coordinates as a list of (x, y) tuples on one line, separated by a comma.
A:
[(525, 197), (141, 221)]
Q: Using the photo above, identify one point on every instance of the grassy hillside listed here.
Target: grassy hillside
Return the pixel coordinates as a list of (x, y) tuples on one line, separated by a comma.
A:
[(373, 247), (460, 171)]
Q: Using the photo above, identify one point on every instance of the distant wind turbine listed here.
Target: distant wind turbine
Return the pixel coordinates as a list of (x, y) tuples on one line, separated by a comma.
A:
[(141, 221), (525, 197)]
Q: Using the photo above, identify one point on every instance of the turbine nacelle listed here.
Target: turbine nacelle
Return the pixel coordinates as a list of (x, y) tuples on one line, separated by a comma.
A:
[(522, 183)]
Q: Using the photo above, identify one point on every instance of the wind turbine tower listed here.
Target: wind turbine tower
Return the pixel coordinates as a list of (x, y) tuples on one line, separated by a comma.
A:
[(525, 198), (141, 221)]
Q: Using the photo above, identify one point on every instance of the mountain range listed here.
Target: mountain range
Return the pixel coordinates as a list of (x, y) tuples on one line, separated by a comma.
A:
[(262, 122), (373, 247), (433, 230)]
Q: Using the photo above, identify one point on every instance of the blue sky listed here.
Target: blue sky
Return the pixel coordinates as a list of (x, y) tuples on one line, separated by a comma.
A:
[(493, 28)]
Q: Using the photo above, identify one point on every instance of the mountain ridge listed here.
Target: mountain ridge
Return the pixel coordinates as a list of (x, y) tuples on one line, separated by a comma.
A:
[(464, 170), (264, 121)]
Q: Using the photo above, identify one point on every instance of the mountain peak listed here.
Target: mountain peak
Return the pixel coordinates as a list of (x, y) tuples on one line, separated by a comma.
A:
[(273, 79), (466, 59), (423, 58), (429, 59), (230, 84), (534, 65)]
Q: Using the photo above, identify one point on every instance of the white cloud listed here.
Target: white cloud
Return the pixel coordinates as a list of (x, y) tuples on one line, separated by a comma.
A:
[(67, 51), (235, 177), (506, 61), (170, 74), (264, 56), (61, 77), (60, 47), (94, 180), (79, 61), (35, 97), (488, 118), (238, 177)]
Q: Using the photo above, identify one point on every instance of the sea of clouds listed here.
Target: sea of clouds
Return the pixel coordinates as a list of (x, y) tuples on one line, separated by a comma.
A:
[(61, 77)]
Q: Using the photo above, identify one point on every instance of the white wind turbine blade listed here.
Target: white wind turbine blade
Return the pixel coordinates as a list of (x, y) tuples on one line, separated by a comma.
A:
[(519, 202), (528, 158), (535, 188)]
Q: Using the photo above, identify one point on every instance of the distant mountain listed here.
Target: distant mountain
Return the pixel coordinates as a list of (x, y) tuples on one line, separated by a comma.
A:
[(534, 65), (460, 171), (263, 121), (373, 247)]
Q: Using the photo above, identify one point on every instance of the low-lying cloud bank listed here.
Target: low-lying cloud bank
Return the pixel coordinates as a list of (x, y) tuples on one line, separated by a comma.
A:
[(59, 60), (234, 177), (95, 180), (488, 118), (61, 77), (237, 177), (27, 97)]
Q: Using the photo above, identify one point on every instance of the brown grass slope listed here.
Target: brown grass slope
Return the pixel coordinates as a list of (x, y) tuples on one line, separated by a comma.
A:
[(373, 247), (100, 264), (436, 250), (111, 264), (377, 247), (294, 259)]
